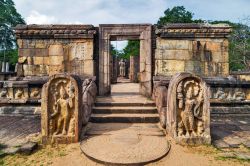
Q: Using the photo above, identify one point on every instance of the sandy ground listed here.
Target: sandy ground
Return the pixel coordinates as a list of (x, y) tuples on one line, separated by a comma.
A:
[(71, 155)]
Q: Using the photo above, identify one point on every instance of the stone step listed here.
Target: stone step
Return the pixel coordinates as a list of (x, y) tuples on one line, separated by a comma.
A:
[(124, 118), (124, 110), (125, 104)]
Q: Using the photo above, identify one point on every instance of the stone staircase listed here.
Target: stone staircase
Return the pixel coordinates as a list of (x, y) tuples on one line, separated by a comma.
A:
[(124, 109)]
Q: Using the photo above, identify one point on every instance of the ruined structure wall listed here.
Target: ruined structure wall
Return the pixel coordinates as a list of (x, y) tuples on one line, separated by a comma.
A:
[(205, 57), (191, 48), (52, 56), (51, 49)]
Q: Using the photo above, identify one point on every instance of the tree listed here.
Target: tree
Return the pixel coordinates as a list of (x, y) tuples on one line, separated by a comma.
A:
[(132, 49), (9, 18), (177, 14), (239, 45)]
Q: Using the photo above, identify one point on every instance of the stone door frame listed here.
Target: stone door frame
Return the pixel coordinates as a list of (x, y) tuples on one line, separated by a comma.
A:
[(109, 32)]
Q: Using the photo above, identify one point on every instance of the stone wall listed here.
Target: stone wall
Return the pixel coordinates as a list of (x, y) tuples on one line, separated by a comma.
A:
[(195, 48), (51, 49)]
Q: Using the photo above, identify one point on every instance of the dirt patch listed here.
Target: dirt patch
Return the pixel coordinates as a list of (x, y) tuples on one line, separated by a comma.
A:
[(71, 155)]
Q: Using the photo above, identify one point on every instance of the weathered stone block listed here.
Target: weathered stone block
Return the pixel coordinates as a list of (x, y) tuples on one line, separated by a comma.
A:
[(173, 54), (56, 60), (88, 67), (216, 69), (56, 50), (195, 67), (81, 51), (169, 67), (55, 69), (168, 44), (222, 57), (29, 70), (33, 52), (41, 44)]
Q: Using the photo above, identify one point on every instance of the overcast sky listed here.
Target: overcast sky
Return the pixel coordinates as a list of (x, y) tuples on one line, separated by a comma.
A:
[(125, 11)]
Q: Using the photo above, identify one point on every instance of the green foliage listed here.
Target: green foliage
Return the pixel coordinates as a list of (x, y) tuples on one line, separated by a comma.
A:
[(9, 18), (239, 46), (239, 40), (177, 14), (132, 49), (11, 56)]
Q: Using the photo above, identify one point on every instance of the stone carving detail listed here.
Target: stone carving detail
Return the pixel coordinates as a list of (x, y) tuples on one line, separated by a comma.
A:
[(19, 93), (35, 93), (220, 94), (66, 106), (230, 94), (89, 91), (60, 110), (188, 117), (239, 95), (4, 93)]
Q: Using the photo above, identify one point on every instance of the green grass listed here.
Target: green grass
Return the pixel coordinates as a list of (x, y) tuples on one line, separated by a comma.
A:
[(1, 162), (224, 158)]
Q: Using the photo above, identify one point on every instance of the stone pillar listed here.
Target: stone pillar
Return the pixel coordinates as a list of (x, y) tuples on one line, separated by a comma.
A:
[(7, 67), (134, 68), (115, 71), (3, 67), (188, 115)]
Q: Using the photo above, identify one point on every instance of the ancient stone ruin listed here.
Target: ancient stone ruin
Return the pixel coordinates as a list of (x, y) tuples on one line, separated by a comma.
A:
[(65, 74)]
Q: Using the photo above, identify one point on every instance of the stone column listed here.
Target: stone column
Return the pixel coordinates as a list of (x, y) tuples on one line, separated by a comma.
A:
[(134, 68), (7, 67), (3, 67)]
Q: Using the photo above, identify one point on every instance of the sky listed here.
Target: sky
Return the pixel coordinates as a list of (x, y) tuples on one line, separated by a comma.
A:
[(125, 11)]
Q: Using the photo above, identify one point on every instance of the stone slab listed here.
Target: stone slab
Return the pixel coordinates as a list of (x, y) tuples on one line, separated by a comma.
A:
[(124, 144)]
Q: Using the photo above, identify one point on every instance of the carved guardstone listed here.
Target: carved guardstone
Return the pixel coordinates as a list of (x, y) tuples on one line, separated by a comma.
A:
[(61, 109), (188, 116)]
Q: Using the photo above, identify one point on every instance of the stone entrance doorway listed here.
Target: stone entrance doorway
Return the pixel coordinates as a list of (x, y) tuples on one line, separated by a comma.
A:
[(112, 32)]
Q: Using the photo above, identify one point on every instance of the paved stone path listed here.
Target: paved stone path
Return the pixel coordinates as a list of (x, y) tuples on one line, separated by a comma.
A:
[(14, 130), (230, 131)]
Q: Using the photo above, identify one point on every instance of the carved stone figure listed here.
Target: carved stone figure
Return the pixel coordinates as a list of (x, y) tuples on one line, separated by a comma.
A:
[(188, 117), (66, 106), (35, 93), (220, 94), (122, 66), (239, 95), (60, 110), (3, 93), (19, 93)]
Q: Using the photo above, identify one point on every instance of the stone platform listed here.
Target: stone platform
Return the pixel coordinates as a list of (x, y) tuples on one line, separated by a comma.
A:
[(125, 143)]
